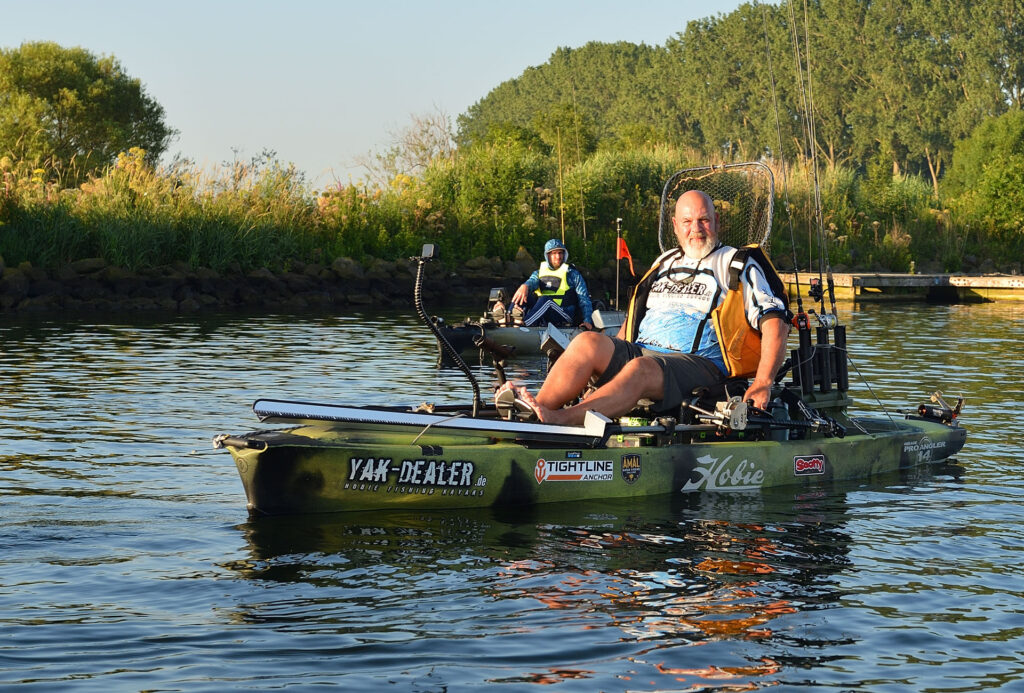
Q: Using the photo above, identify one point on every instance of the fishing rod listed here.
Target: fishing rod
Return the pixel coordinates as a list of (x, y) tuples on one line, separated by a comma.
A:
[(782, 162), (579, 159), (819, 363), (803, 72), (814, 159), (618, 239), (801, 357), (831, 361)]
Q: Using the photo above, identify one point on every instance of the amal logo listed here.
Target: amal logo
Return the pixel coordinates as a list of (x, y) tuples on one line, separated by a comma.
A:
[(630, 468), (573, 470), (806, 465), (714, 474)]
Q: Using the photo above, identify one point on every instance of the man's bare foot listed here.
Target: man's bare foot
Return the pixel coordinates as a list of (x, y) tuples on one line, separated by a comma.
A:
[(552, 416), (544, 414), (514, 402)]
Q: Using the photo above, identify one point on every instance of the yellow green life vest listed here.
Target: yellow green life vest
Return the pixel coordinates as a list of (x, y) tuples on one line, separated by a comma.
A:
[(553, 283)]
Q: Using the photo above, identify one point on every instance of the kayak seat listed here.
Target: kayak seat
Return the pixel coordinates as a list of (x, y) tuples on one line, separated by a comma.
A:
[(707, 397), (703, 397), (731, 387)]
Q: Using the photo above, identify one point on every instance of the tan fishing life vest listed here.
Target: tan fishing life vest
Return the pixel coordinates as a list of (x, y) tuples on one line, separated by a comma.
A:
[(740, 343)]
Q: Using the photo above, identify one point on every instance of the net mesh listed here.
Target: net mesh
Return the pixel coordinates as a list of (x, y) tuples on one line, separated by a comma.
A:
[(744, 197)]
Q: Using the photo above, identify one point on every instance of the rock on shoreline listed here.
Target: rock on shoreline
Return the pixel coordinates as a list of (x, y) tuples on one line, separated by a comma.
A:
[(93, 285)]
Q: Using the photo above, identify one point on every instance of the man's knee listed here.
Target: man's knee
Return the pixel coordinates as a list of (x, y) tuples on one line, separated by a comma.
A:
[(644, 367), (591, 342), (646, 373)]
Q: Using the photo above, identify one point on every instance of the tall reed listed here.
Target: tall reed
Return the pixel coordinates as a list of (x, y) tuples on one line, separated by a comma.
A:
[(488, 200)]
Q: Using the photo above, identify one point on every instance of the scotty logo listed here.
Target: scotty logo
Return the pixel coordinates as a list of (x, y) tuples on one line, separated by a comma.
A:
[(809, 464)]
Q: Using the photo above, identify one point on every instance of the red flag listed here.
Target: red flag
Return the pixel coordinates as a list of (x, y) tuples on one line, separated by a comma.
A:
[(623, 252)]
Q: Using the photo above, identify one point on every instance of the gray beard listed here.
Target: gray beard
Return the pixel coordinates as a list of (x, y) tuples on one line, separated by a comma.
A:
[(699, 251)]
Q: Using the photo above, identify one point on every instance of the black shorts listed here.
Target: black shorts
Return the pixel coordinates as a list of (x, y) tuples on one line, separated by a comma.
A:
[(683, 373)]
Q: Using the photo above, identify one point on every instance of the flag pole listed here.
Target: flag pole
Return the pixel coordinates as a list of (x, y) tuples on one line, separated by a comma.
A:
[(618, 236)]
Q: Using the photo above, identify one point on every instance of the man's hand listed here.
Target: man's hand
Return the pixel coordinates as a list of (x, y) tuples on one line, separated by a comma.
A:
[(774, 331), (758, 393), (519, 297)]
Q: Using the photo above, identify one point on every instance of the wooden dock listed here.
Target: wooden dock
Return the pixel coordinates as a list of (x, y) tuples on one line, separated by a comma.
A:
[(941, 288)]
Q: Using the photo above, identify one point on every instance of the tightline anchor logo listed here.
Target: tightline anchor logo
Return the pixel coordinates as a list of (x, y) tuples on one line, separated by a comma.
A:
[(573, 470)]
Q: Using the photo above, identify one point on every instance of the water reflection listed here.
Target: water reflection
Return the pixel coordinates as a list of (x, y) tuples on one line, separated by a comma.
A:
[(112, 526), (662, 573)]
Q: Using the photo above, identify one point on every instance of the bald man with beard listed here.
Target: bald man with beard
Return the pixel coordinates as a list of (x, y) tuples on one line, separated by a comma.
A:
[(668, 346)]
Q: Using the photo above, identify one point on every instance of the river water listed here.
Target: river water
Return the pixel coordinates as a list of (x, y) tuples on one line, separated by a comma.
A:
[(128, 562)]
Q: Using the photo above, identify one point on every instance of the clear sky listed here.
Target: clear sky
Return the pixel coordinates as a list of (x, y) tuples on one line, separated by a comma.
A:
[(324, 82)]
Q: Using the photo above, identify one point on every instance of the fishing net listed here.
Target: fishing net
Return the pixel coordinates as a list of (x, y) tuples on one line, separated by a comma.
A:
[(744, 197)]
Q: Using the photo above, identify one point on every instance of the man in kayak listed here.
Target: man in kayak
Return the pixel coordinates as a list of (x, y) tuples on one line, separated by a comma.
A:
[(556, 293), (669, 344)]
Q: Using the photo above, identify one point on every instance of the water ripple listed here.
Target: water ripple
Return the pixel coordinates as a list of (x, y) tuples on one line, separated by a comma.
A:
[(129, 563)]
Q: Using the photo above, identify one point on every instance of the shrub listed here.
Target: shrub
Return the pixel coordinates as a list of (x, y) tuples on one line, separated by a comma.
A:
[(986, 178)]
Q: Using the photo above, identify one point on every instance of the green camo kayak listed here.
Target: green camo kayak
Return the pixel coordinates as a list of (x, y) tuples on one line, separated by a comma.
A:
[(341, 458)]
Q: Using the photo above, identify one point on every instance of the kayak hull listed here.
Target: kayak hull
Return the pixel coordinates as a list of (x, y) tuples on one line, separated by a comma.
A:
[(330, 466)]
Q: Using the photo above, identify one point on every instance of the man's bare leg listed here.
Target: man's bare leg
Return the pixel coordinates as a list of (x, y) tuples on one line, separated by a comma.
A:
[(640, 378), (588, 355)]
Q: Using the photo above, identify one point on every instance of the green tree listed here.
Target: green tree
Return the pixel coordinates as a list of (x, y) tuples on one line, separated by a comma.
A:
[(634, 136), (566, 131), (507, 132), (987, 175), (609, 85), (724, 83), (73, 113)]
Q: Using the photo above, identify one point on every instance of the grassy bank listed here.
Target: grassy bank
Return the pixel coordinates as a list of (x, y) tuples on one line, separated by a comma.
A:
[(485, 201)]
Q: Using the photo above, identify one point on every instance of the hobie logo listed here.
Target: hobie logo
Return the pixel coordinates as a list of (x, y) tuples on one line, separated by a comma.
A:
[(809, 464), (724, 475)]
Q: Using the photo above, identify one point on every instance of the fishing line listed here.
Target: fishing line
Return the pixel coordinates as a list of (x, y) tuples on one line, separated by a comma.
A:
[(782, 162), (868, 386), (823, 244), (579, 159), (809, 147), (802, 112), (812, 142), (561, 198), (803, 72)]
